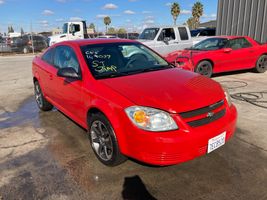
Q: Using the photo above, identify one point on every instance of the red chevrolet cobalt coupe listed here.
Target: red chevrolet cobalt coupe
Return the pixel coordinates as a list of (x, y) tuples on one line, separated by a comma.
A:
[(132, 102)]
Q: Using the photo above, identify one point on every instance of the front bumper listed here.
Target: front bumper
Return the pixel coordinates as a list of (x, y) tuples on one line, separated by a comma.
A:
[(173, 147)]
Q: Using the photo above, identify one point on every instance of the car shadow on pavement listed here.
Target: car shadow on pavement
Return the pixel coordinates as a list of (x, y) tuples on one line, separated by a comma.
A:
[(135, 189)]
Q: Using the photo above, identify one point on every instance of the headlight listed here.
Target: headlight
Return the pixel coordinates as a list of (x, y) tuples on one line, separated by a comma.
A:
[(227, 96), (151, 119)]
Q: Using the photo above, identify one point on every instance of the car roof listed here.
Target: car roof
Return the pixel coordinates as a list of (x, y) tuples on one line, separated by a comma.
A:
[(84, 42), (230, 37)]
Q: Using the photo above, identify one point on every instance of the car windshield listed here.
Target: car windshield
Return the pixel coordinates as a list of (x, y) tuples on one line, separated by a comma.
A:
[(65, 28), (210, 44), (149, 34), (121, 59)]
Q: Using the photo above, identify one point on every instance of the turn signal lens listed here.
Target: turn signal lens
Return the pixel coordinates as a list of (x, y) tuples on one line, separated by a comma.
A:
[(140, 116)]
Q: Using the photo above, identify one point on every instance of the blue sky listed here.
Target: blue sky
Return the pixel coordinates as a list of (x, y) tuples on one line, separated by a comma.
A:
[(131, 14)]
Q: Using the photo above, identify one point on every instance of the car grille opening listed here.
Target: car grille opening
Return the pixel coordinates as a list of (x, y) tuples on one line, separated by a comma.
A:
[(204, 115)]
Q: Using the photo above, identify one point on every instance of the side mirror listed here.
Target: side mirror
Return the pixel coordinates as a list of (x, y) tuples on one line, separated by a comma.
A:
[(227, 50), (72, 29), (166, 40), (68, 72)]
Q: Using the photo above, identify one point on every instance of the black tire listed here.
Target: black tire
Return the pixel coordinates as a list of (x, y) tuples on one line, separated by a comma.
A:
[(204, 68), (42, 103), (261, 65), (103, 140)]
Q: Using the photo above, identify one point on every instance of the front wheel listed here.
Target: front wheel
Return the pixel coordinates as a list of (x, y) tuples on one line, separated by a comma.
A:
[(261, 65), (103, 141), (204, 68), (42, 103)]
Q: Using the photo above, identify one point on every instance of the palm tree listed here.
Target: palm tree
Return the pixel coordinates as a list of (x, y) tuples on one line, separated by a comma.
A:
[(197, 12), (190, 22), (107, 22), (175, 11)]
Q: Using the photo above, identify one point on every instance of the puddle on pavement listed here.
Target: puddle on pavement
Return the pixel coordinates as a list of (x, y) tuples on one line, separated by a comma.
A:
[(26, 113)]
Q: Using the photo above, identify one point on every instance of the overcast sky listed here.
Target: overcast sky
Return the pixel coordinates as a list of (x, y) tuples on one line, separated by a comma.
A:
[(131, 14)]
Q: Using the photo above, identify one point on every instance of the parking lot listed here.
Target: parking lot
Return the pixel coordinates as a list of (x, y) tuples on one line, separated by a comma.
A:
[(48, 156)]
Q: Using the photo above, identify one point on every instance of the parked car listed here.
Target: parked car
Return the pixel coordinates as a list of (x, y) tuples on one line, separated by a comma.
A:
[(166, 39), (203, 32), (222, 54), (132, 102), (25, 44)]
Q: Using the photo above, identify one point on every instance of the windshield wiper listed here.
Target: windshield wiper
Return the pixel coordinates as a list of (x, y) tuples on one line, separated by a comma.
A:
[(112, 75), (159, 67)]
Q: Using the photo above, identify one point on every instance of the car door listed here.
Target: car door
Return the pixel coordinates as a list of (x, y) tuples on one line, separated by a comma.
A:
[(46, 73), (166, 41), (235, 55), (68, 92)]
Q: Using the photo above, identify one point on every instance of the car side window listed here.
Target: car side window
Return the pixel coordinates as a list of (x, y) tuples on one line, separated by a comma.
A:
[(65, 57), (238, 43), (48, 56), (76, 27), (167, 33), (183, 33)]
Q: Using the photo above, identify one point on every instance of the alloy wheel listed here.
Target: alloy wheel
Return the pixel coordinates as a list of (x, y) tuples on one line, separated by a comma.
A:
[(38, 95), (101, 140), (204, 69), (262, 64)]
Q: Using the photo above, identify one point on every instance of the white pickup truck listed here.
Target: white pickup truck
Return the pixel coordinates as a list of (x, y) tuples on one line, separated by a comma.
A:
[(167, 39), (71, 31)]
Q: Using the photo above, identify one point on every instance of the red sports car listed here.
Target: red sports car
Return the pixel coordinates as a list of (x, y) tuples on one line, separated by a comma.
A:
[(222, 54), (132, 102)]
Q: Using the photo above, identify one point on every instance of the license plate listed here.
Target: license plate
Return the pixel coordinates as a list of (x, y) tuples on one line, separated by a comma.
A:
[(216, 142)]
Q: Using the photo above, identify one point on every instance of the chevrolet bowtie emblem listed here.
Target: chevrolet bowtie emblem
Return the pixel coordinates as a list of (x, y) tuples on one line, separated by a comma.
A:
[(210, 114)]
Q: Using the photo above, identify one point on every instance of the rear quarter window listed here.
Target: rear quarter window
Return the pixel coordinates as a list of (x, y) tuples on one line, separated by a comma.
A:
[(48, 56), (183, 33)]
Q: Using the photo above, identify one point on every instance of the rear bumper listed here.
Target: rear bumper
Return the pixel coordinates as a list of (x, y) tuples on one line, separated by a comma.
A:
[(173, 147)]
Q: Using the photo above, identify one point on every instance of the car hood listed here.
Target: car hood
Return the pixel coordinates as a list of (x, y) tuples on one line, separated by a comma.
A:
[(173, 90)]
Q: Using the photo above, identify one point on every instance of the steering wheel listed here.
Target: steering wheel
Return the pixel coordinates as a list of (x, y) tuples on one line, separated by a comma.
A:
[(136, 57)]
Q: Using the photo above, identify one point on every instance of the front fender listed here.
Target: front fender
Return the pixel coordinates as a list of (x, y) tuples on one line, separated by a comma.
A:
[(116, 116)]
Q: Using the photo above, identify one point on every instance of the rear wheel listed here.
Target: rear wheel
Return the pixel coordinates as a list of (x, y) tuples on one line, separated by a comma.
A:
[(261, 65), (103, 141), (42, 103), (204, 68)]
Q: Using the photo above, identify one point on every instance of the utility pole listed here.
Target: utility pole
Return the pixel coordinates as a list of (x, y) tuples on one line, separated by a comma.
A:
[(32, 40)]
